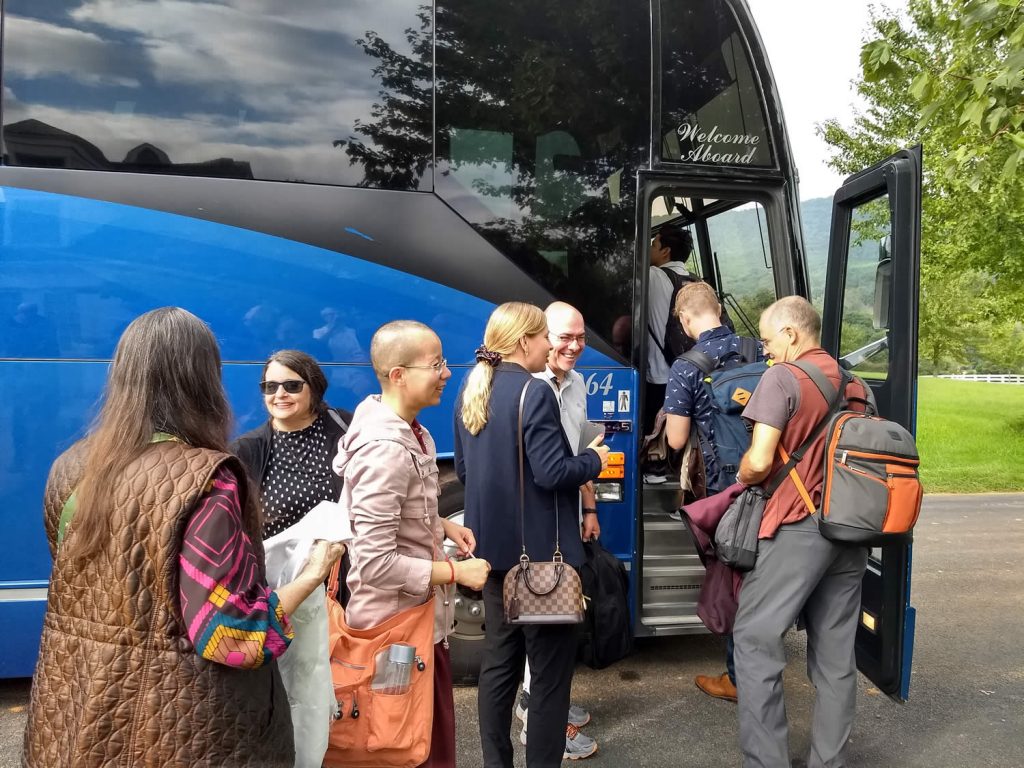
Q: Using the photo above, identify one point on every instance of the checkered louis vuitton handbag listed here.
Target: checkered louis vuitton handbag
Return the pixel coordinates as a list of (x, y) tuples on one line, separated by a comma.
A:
[(546, 592)]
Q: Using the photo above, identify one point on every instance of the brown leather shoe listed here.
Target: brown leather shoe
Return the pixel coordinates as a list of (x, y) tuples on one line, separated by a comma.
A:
[(719, 687)]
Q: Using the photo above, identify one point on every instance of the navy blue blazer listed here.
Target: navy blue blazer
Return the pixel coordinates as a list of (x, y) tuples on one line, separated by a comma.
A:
[(488, 465)]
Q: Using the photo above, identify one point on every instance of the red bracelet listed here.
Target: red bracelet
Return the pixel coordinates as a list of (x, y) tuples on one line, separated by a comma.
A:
[(452, 566)]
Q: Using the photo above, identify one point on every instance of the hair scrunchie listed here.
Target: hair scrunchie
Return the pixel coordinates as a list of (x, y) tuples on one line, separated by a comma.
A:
[(484, 355)]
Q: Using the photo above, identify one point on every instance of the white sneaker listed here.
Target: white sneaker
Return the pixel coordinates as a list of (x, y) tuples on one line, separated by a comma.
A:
[(522, 705)]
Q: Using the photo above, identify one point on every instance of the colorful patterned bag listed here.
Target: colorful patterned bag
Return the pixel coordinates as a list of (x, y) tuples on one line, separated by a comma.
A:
[(540, 592)]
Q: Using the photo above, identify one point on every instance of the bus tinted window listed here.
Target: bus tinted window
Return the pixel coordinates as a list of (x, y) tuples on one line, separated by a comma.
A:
[(740, 248), (233, 88), (863, 341), (711, 110), (732, 250), (542, 121)]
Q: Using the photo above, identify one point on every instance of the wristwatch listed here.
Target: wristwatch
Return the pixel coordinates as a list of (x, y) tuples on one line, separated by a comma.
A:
[(589, 510)]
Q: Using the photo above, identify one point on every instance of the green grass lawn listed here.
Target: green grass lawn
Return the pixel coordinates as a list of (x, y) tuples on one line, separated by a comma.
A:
[(970, 435)]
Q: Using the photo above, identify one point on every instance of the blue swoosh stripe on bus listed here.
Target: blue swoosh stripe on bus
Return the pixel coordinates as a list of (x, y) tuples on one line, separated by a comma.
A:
[(355, 231)]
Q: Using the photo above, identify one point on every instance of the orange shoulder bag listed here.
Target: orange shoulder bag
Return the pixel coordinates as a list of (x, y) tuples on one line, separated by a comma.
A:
[(379, 723)]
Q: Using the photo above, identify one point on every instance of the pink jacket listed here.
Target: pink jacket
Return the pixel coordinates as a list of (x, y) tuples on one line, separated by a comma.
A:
[(390, 492)]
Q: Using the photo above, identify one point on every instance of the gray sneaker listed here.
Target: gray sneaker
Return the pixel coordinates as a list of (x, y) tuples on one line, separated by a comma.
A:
[(578, 716), (578, 745)]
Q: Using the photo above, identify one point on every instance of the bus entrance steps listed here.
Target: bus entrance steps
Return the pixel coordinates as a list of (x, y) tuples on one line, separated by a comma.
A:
[(672, 571)]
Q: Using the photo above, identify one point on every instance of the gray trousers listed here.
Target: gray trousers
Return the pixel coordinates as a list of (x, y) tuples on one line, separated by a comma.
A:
[(797, 572)]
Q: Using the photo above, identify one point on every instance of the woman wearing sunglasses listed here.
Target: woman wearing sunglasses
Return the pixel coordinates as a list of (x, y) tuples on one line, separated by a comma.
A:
[(288, 459)]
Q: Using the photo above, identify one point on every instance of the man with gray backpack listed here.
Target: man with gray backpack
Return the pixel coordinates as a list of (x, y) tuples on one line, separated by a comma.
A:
[(798, 571), (708, 386)]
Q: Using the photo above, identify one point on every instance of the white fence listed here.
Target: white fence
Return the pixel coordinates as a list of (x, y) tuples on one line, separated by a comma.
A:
[(992, 378)]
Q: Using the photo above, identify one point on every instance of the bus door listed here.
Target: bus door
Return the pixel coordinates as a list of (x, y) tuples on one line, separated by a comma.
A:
[(740, 247), (870, 323)]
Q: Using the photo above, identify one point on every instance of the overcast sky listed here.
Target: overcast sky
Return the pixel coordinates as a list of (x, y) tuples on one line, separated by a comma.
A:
[(814, 50)]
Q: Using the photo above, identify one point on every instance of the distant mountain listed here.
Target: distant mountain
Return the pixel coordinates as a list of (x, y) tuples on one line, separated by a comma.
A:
[(740, 241), (817, 218)]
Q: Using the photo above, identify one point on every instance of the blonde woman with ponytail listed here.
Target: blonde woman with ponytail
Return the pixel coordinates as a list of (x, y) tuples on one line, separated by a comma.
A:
[(487, 461)]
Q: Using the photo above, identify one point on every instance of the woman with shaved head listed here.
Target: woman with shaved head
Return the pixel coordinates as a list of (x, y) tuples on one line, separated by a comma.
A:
[(389, 465)]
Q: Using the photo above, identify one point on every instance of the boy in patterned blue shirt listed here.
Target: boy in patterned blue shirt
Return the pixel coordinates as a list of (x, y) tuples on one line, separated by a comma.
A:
[(688, 401)]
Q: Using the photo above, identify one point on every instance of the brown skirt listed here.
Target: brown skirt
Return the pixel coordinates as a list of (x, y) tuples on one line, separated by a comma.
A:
[(442, 735)]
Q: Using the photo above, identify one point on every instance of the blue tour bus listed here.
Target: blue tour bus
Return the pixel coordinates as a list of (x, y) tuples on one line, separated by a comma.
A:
[(297, 174)]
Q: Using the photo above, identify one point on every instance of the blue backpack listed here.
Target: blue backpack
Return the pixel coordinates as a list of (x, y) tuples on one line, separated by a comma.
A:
[(730, 381)]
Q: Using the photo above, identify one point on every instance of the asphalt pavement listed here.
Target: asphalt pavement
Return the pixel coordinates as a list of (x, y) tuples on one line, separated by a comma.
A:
[(966, 705)]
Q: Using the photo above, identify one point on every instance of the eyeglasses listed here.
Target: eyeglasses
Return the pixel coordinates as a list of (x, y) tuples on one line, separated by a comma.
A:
[(435, 367), (765, 342), (292, 386), (568, 338)]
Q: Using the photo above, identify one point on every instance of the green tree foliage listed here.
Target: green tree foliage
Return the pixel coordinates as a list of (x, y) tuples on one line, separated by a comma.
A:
[(952, 77), (965, 60)]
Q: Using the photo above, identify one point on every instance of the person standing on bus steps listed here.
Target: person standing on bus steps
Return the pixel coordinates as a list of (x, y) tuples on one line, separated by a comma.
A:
[(670, 249), (389, 464), (798, 571), (515, 346), (688, 407), (567, 333), (288, 459), (157, 559)]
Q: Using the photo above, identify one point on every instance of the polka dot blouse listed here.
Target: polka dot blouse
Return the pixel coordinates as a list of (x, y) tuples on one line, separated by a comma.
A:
[(298, 477)]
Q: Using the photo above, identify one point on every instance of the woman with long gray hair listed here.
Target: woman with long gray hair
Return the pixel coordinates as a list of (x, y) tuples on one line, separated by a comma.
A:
[(161, 635)]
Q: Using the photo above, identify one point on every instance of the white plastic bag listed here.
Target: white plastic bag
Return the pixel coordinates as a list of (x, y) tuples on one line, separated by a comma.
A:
[(286, 553), (306, 672), (306, 665)]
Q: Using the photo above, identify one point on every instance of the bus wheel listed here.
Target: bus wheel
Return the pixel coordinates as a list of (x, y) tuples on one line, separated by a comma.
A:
[(467, 638)]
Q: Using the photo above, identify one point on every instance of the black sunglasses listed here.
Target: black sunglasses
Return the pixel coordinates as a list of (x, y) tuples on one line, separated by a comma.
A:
[(292, 386)]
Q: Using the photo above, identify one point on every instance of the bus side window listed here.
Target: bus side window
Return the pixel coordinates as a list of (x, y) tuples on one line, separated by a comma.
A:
[(740, 249), (863, 336)]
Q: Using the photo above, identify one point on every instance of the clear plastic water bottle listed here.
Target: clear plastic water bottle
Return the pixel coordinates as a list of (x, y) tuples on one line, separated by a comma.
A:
[(394, 669)]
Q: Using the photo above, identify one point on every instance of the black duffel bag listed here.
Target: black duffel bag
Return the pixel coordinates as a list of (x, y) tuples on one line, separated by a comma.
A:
[(608, 636)]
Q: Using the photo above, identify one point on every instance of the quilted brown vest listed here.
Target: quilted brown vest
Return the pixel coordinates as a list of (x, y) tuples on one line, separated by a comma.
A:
[(117, 682)]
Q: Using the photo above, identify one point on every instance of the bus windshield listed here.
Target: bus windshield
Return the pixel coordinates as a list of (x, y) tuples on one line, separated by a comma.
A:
[(711, 113)]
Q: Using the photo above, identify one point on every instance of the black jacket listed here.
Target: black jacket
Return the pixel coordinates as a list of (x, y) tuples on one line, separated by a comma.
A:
[(253, 448), (488, 465)]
